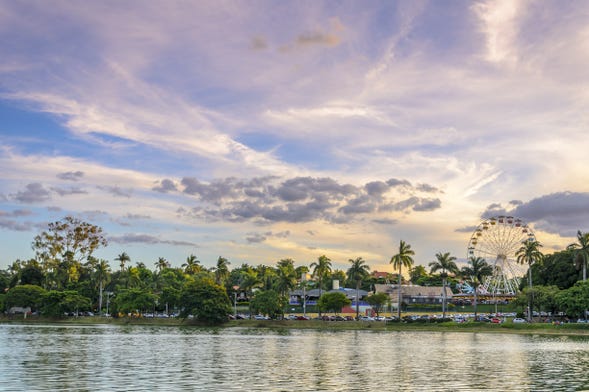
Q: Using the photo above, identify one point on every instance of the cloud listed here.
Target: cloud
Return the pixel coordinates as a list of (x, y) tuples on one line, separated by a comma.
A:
[(146, 239), (71, 176), (13, 225), (165, 185), (115, 190), (68, 191), (34, 193), (16, 213), (302, 199), (253, 238), (561, 213)]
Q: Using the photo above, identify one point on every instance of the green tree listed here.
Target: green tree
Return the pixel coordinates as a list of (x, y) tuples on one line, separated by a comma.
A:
[(574, 300), (581, 251), (400, 260), (334, 302), (206, 301), (529, 253), (286, 279), (378, 301), (27, 295), (161, 264), (268, 302), (63, 246), (134, 300), (446, 264), (476, 271), (222, 271), (192, 265), (357, 273), (57, 303), (556, 269), (321, 268), (123, 259), (418, 273)]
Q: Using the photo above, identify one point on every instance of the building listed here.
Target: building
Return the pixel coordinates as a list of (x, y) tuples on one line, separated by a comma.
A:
[(413, 294)]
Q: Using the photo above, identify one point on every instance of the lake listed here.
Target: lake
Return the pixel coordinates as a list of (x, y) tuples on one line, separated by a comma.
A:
[(151, 358)]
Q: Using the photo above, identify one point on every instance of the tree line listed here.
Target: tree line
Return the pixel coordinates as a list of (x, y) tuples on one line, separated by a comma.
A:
[(64, 277)]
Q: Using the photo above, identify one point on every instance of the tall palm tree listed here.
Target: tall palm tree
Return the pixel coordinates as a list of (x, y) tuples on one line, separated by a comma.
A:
[(581, 251), (476, 271), (529, 253), (286, 279), (357, 272), (400, 260), (123, 259), (321, 268), (161, 264), (101, 271), (221, 270), (192, 265), (446, 264)]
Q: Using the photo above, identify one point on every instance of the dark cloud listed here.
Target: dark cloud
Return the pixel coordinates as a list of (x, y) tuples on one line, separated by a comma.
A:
[(165, 185), (15, 213), (426, 188), (33, 193), (261, 237), (466, 229), (376, 188), (116, 191), (68, 191), (146, 239), (10, 224), (300, 199), (386, 221), (561, 213), (71, 175), (427, 205)]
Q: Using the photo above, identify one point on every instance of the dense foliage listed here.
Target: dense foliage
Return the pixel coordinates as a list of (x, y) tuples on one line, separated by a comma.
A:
[(65, 278)]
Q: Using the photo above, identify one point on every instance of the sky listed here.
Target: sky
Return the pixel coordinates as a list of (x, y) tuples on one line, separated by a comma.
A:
[(264, 130)]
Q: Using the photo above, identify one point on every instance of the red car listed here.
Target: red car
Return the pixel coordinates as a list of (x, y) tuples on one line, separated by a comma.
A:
[(496, 320)]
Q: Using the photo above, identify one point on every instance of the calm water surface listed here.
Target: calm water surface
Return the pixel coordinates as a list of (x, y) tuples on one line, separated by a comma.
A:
[(145, 358)]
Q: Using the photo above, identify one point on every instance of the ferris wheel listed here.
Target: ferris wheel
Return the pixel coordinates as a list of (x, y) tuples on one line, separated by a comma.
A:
[(497, 240)]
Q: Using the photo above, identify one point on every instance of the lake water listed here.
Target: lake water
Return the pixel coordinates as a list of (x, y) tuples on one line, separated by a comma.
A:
[(145, 358)]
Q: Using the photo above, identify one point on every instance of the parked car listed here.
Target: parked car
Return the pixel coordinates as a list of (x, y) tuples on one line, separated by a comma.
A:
[(261, 317), (366, 318), (519, 320), (496, 320)]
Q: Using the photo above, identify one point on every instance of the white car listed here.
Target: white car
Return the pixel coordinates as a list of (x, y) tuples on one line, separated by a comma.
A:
[(519, 320)]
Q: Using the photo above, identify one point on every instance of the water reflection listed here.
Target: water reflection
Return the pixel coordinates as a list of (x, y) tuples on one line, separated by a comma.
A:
[(140, 358)]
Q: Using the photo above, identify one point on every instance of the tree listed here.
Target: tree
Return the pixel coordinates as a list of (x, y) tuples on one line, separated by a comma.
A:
[(192, 265), (529, 253), (321, 268), (161, 264), (222, 271), (334, 302), (581, 251), (574, 300), (286, 279), (357, 272), (27, 295), (446, 264), (123, 259), (402, 259), (206, 301), (134, 300), (476, 271), (58, 303), (62, 248), (268, 302), (377, 301)]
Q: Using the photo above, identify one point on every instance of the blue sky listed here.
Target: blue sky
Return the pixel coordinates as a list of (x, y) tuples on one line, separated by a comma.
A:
[(263, 130)]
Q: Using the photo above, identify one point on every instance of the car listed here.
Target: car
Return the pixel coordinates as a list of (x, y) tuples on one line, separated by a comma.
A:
[(496, 320), (519, 320), (366, 318), (379, 318), (261, 317)]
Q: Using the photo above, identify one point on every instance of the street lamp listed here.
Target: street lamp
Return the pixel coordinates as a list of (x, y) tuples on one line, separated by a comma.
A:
[(235, 288)]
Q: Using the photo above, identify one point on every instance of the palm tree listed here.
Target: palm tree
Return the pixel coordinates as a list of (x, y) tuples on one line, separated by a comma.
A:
[(477, 270), (446, 264), (161, 264), (286, 279), (581, 251), (529, 253), (321, 268), (123, 259), (221, 270), (192, 265), (101, 270), (400, 260), (357, 272)]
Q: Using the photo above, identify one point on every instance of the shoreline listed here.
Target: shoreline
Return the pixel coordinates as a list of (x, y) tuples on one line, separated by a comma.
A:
[(570, 329)]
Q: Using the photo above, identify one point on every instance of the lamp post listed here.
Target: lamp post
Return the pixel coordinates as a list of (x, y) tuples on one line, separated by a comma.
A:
[(235, 288)]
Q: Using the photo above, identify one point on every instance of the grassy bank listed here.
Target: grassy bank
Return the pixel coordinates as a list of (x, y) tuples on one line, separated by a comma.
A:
[(507, 327)]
